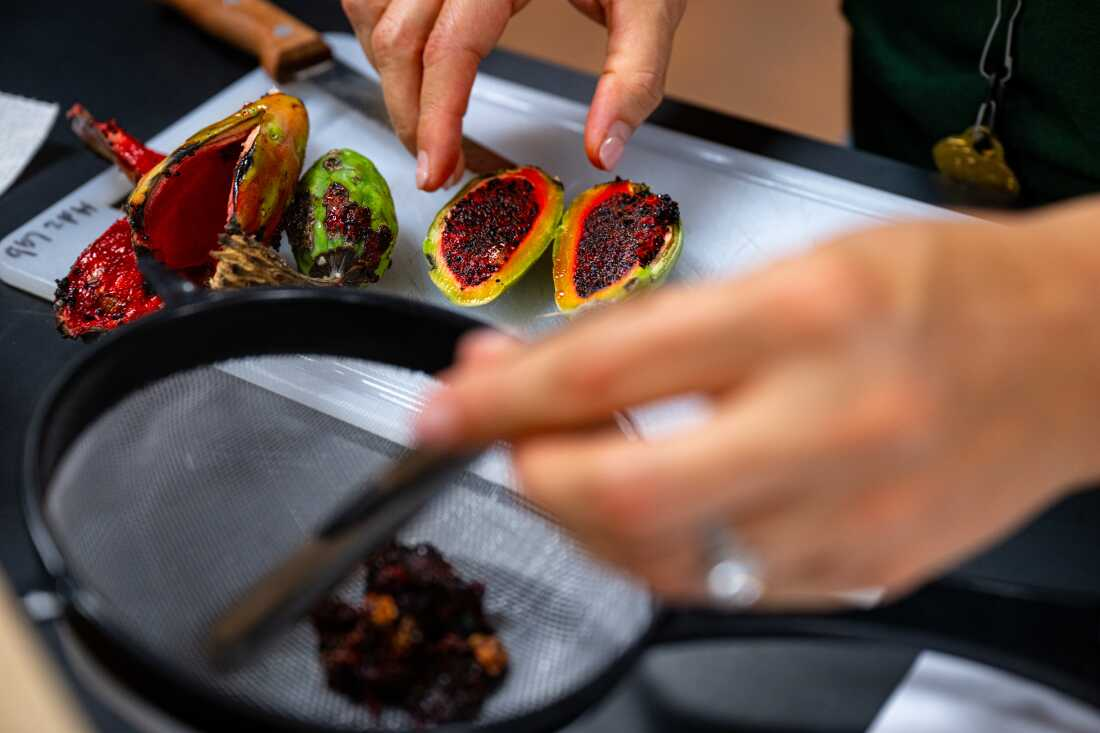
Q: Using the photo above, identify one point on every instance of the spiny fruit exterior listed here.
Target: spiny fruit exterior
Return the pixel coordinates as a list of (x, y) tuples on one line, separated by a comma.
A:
[(342, 222), (491, 232), (615, 240)]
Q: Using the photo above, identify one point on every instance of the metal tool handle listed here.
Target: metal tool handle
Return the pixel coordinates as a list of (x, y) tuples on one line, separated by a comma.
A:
[(1047, 638), (172, 287), (367, 521), (283, 44)]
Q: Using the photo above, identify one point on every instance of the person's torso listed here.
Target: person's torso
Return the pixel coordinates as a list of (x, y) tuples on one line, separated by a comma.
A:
[(915, 80)]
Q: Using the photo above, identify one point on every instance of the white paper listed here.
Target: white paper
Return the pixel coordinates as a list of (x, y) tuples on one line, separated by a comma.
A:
[(944, 694), (25, 124)]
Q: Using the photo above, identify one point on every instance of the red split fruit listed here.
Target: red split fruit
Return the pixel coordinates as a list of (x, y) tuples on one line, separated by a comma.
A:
[(236, 175), (490, 234), (104, 287), (616, 239)]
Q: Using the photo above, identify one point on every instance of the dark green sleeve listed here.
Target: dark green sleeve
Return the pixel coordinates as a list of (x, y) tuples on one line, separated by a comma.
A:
[(915, 80)]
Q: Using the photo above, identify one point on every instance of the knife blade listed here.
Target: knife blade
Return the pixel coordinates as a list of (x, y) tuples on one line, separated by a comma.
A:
[(289, 49)]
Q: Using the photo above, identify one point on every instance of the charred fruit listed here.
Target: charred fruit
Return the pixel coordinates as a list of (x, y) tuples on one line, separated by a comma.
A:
[(110, 141), (489, 234), (341, 223), (236, 175), (615, 240), (104, 287)]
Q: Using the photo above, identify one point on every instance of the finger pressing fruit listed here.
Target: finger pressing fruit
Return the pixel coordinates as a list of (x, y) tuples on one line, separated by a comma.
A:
[(489, 234), (341, 223)]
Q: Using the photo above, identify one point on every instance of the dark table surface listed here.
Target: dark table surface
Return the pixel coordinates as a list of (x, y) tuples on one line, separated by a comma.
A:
[(137, 61)]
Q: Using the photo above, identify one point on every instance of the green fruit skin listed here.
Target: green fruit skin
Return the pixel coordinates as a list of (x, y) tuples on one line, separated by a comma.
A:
[(365, 186)]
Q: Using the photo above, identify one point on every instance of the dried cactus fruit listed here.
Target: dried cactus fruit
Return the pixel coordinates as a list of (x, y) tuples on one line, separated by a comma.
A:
[(341, 222), (488, 235)]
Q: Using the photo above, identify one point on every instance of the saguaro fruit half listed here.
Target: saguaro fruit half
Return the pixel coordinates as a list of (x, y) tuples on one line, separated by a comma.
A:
[(616, 239), (489, 234)]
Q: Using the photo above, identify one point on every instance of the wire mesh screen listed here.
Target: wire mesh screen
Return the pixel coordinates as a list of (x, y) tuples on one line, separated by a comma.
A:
[(184, 493)]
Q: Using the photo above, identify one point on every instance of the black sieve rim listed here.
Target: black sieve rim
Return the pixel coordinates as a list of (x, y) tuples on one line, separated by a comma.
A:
[(213, 328)]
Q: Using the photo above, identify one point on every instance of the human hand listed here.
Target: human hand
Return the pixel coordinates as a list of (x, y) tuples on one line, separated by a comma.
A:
[(882, 406), (427, 53)]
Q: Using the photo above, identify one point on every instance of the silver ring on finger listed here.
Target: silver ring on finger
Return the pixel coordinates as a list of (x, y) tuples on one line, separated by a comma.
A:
[(734, 575)]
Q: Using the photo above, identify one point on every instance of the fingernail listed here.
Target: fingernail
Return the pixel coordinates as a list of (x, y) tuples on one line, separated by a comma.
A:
[(459, 170), (422, 169), (438, 423), (611, 150)]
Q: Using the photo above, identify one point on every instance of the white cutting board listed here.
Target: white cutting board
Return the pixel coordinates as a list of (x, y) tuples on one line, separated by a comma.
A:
[(740, 210)]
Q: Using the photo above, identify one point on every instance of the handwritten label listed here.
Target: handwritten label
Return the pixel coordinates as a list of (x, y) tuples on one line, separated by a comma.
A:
[(26, 243)]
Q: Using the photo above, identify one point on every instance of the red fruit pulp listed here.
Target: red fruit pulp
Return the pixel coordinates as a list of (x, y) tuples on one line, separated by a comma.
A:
[(486, 226), (104, 288), (183, 225), (131, 154), (619, 232)]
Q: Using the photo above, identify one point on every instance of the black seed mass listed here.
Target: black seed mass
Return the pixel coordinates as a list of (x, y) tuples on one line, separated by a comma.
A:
[(484, 229), (627, 229), (417, 640)]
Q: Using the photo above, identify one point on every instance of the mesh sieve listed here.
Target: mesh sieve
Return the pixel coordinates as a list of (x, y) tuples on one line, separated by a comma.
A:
[(181, 495), (181, 458)]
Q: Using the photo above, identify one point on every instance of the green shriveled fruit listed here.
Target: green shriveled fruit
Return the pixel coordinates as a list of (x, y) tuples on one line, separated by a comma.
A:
[(615, 240), (488, 235), (342, 223)]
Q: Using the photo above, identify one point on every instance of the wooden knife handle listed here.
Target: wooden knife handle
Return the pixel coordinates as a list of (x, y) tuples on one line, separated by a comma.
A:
[(283, 44)]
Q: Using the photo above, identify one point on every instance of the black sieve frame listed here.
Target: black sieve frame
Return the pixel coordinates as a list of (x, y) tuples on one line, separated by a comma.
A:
[(197, 331), (1051, 639)]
